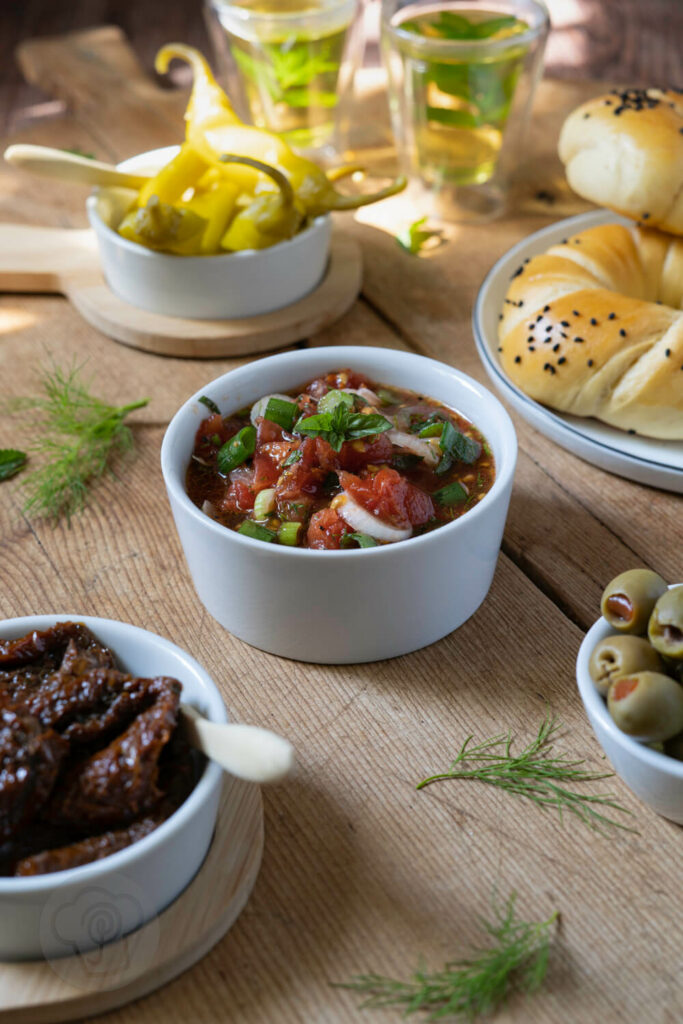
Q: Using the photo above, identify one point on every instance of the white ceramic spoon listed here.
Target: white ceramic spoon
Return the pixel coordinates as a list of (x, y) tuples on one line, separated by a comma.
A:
[(246, 751), (57, 163)]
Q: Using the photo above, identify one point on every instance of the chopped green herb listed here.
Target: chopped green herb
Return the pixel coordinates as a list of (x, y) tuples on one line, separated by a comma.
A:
[(363, 540), (281, 412), (237, 450), (415, 238), (342, 425), (417, 425), (451, 494), (210, 404), (456, 447), (256, 531), (293, 457), (11, 462), (474, 986)]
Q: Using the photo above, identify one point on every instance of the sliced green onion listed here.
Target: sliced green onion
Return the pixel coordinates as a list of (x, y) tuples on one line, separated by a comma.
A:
[(363, 540), (281, 412), (292, 457), (387, 397), (289, 533), (256, 532), (209, 403), (264, 503), (451, 494), (330, 401), (431, 430), (237, 450)]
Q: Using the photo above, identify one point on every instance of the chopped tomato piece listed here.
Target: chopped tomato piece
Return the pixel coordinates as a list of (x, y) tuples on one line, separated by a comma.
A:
[(304, 480), (326, 529), (239, 497), (267, 431), (355, 455), (345, 379), (216, 427), (390, 497)]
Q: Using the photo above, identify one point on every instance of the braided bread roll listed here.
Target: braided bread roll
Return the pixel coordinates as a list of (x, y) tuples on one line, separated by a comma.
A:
[(593, 327), (624, 150)]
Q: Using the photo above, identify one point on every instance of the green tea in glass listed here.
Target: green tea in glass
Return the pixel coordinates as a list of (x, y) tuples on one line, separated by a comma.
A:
[(461, 78), (293, 64)]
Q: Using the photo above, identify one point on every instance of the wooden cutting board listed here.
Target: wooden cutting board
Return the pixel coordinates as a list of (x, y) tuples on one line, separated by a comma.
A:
[(65, 260)]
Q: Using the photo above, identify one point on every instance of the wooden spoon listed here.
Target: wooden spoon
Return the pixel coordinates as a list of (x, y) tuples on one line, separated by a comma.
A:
[(246, 751), (57, 163)]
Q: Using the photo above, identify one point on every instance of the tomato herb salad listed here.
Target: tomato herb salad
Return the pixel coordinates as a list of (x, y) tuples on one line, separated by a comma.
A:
[(342, 463)]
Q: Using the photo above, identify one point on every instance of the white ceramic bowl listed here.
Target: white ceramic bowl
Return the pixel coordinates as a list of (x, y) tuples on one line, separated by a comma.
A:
[(230, 286), (351, 605), (656, 778), (75, 910)]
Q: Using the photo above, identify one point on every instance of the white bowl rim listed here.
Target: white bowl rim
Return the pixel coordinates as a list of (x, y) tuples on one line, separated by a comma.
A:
[(596, 704), (212, 773), (344, 356)]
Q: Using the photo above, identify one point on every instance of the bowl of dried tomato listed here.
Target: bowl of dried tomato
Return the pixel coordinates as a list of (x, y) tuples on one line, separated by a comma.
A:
[(341, 505), (105, 813)]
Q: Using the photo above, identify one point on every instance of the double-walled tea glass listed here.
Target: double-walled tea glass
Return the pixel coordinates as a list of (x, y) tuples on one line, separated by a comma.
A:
[(461, 77), (290, 64)]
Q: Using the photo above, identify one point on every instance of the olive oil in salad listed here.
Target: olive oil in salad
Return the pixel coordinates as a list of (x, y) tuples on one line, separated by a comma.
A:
[(456, 71), (292, 62)]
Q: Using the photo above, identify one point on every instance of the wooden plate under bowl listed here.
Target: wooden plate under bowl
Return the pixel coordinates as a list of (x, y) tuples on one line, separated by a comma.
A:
[(65, 260), (68, 988)]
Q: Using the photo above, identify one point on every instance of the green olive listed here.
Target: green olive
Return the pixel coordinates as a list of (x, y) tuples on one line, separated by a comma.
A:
[(666, 624), (674, 747), (647, 706), (628, 600), (617, 656)]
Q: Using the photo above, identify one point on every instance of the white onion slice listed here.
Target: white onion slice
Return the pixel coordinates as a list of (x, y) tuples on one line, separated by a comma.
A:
[(366, 394), (208, 508), (426, 447), (363, 521), (259, 408)]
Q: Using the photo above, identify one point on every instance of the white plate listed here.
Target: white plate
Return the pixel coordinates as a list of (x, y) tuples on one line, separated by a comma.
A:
[(643, 459)]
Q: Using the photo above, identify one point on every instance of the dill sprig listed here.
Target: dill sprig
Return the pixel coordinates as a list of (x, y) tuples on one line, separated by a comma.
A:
[(79, 437), (517, 961), (538, 774)]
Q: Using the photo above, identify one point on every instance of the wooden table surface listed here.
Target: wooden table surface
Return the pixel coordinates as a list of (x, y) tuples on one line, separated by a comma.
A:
[(361, 872)]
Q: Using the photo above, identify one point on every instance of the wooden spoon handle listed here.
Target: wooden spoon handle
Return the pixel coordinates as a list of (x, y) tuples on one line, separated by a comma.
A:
[(246, 751), (56, 163)]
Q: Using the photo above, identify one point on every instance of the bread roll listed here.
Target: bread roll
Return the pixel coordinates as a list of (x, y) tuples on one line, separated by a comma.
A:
[(624, 150), (590, 328)]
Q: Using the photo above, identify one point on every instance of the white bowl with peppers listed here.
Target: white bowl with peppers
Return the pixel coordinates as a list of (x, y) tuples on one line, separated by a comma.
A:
[(373, 567)]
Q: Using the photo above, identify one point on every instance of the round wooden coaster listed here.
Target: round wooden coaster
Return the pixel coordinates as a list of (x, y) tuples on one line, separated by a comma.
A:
[(65, 989), (65, 260)]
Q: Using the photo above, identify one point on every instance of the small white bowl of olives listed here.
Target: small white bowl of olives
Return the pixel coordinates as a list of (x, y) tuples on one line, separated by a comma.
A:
[(630, 676)]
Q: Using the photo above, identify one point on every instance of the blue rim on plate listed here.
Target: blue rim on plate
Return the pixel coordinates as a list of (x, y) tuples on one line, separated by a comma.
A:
[(645, 460)]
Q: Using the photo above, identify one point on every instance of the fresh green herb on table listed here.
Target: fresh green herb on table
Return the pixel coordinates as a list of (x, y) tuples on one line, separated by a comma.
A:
[(11, 462), (415, 238), (538, 774), (79, 437), (477, 985)]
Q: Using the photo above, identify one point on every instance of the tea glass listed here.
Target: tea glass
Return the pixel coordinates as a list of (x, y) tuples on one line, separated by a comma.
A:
[(290, 66), (460, 95)]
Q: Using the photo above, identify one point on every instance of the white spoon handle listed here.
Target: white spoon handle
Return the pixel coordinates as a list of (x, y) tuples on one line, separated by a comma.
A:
[(246, 751), (56, 163)]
